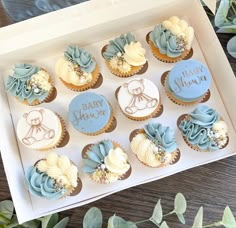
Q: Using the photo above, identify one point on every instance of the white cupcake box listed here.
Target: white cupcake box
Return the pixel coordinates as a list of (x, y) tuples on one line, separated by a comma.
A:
[(92, 24)]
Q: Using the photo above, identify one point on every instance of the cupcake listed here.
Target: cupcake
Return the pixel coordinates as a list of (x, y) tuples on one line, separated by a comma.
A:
[(188, 83), (77, 70), (53, 178), (171, 40), (124, 56), (91, 114), (204, 129), (139, 99), (30, 84), (106, 162), (155, 145), (40, 129)]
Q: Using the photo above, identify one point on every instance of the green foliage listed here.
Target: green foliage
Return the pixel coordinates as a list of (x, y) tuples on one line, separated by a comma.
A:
[(93, 218), (198, 219), (9, 220), (228, 219), (225, 20), (118, 222), (157, 214)]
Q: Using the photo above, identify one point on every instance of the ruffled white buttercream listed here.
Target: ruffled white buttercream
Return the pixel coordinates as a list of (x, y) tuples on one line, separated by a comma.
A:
[(145, 148), (180, 28), (135, 54), (116, 161), (60, 168), (65, 70)]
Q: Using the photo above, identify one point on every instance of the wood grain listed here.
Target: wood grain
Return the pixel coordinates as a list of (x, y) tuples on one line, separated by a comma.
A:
[(212, 186)]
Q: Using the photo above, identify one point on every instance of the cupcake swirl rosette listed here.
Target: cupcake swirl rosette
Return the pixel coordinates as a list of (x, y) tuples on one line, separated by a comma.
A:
[(53, 178), (155, 145), (171, 40), (30, 84), (124, 56), (77, 70), (203, 129), (106, 162)]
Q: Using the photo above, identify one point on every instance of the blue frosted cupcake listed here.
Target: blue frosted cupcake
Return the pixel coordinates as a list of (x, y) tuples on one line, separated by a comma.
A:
[(203, 129), (188, 83), (30, 84), (91, 114), (124, 56), (106, 162), (171, 40), (77, 69), (53, 178), (155, 145)]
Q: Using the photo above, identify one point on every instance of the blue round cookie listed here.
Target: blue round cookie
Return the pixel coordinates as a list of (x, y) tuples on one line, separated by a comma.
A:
[(90, 113), (188, 80)]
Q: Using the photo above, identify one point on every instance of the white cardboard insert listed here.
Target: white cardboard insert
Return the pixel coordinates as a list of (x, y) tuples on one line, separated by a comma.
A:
[(85, 24)]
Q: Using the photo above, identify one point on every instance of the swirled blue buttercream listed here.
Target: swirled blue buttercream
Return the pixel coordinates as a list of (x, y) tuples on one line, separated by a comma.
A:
[(80, 57), (40, 184), (117, 45), (195, 130), (165, 41), (96, 155), (17, 84), (161, 136)]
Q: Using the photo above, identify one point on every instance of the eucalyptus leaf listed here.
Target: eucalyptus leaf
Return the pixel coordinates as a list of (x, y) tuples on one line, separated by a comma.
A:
[(228, 219), (221, 14), (157, 214), (164, 225), (231, 47), (93, 218), (118, 222), (49, 221), (181, 218), (180, 204), (198, 220), (6, 208), (62, 224)]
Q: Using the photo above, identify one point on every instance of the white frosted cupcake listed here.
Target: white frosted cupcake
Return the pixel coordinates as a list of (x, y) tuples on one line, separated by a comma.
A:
[(106, 162), (155, 145), (53, 177), (41, 129)]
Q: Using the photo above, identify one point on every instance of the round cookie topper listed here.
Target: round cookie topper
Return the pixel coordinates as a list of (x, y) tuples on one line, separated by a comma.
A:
[(139, 97), (89, 112), (189, 79), (39, 128)]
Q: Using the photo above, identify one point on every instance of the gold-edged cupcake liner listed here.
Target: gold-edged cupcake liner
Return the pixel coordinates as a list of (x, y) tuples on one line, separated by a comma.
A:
[(95, 76), (205, 97), (196, 148), (175, 155), (134, 70), (115, 145)]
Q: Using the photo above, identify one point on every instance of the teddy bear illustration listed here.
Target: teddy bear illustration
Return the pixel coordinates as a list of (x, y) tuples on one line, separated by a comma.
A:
[(140, 100), (37, 131)]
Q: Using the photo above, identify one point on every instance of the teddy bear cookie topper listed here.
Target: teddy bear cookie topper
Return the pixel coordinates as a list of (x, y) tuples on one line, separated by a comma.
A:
[(139, 98), (40, 129)]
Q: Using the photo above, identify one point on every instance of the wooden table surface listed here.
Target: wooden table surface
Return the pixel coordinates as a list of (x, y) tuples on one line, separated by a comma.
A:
[(212, 186)]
